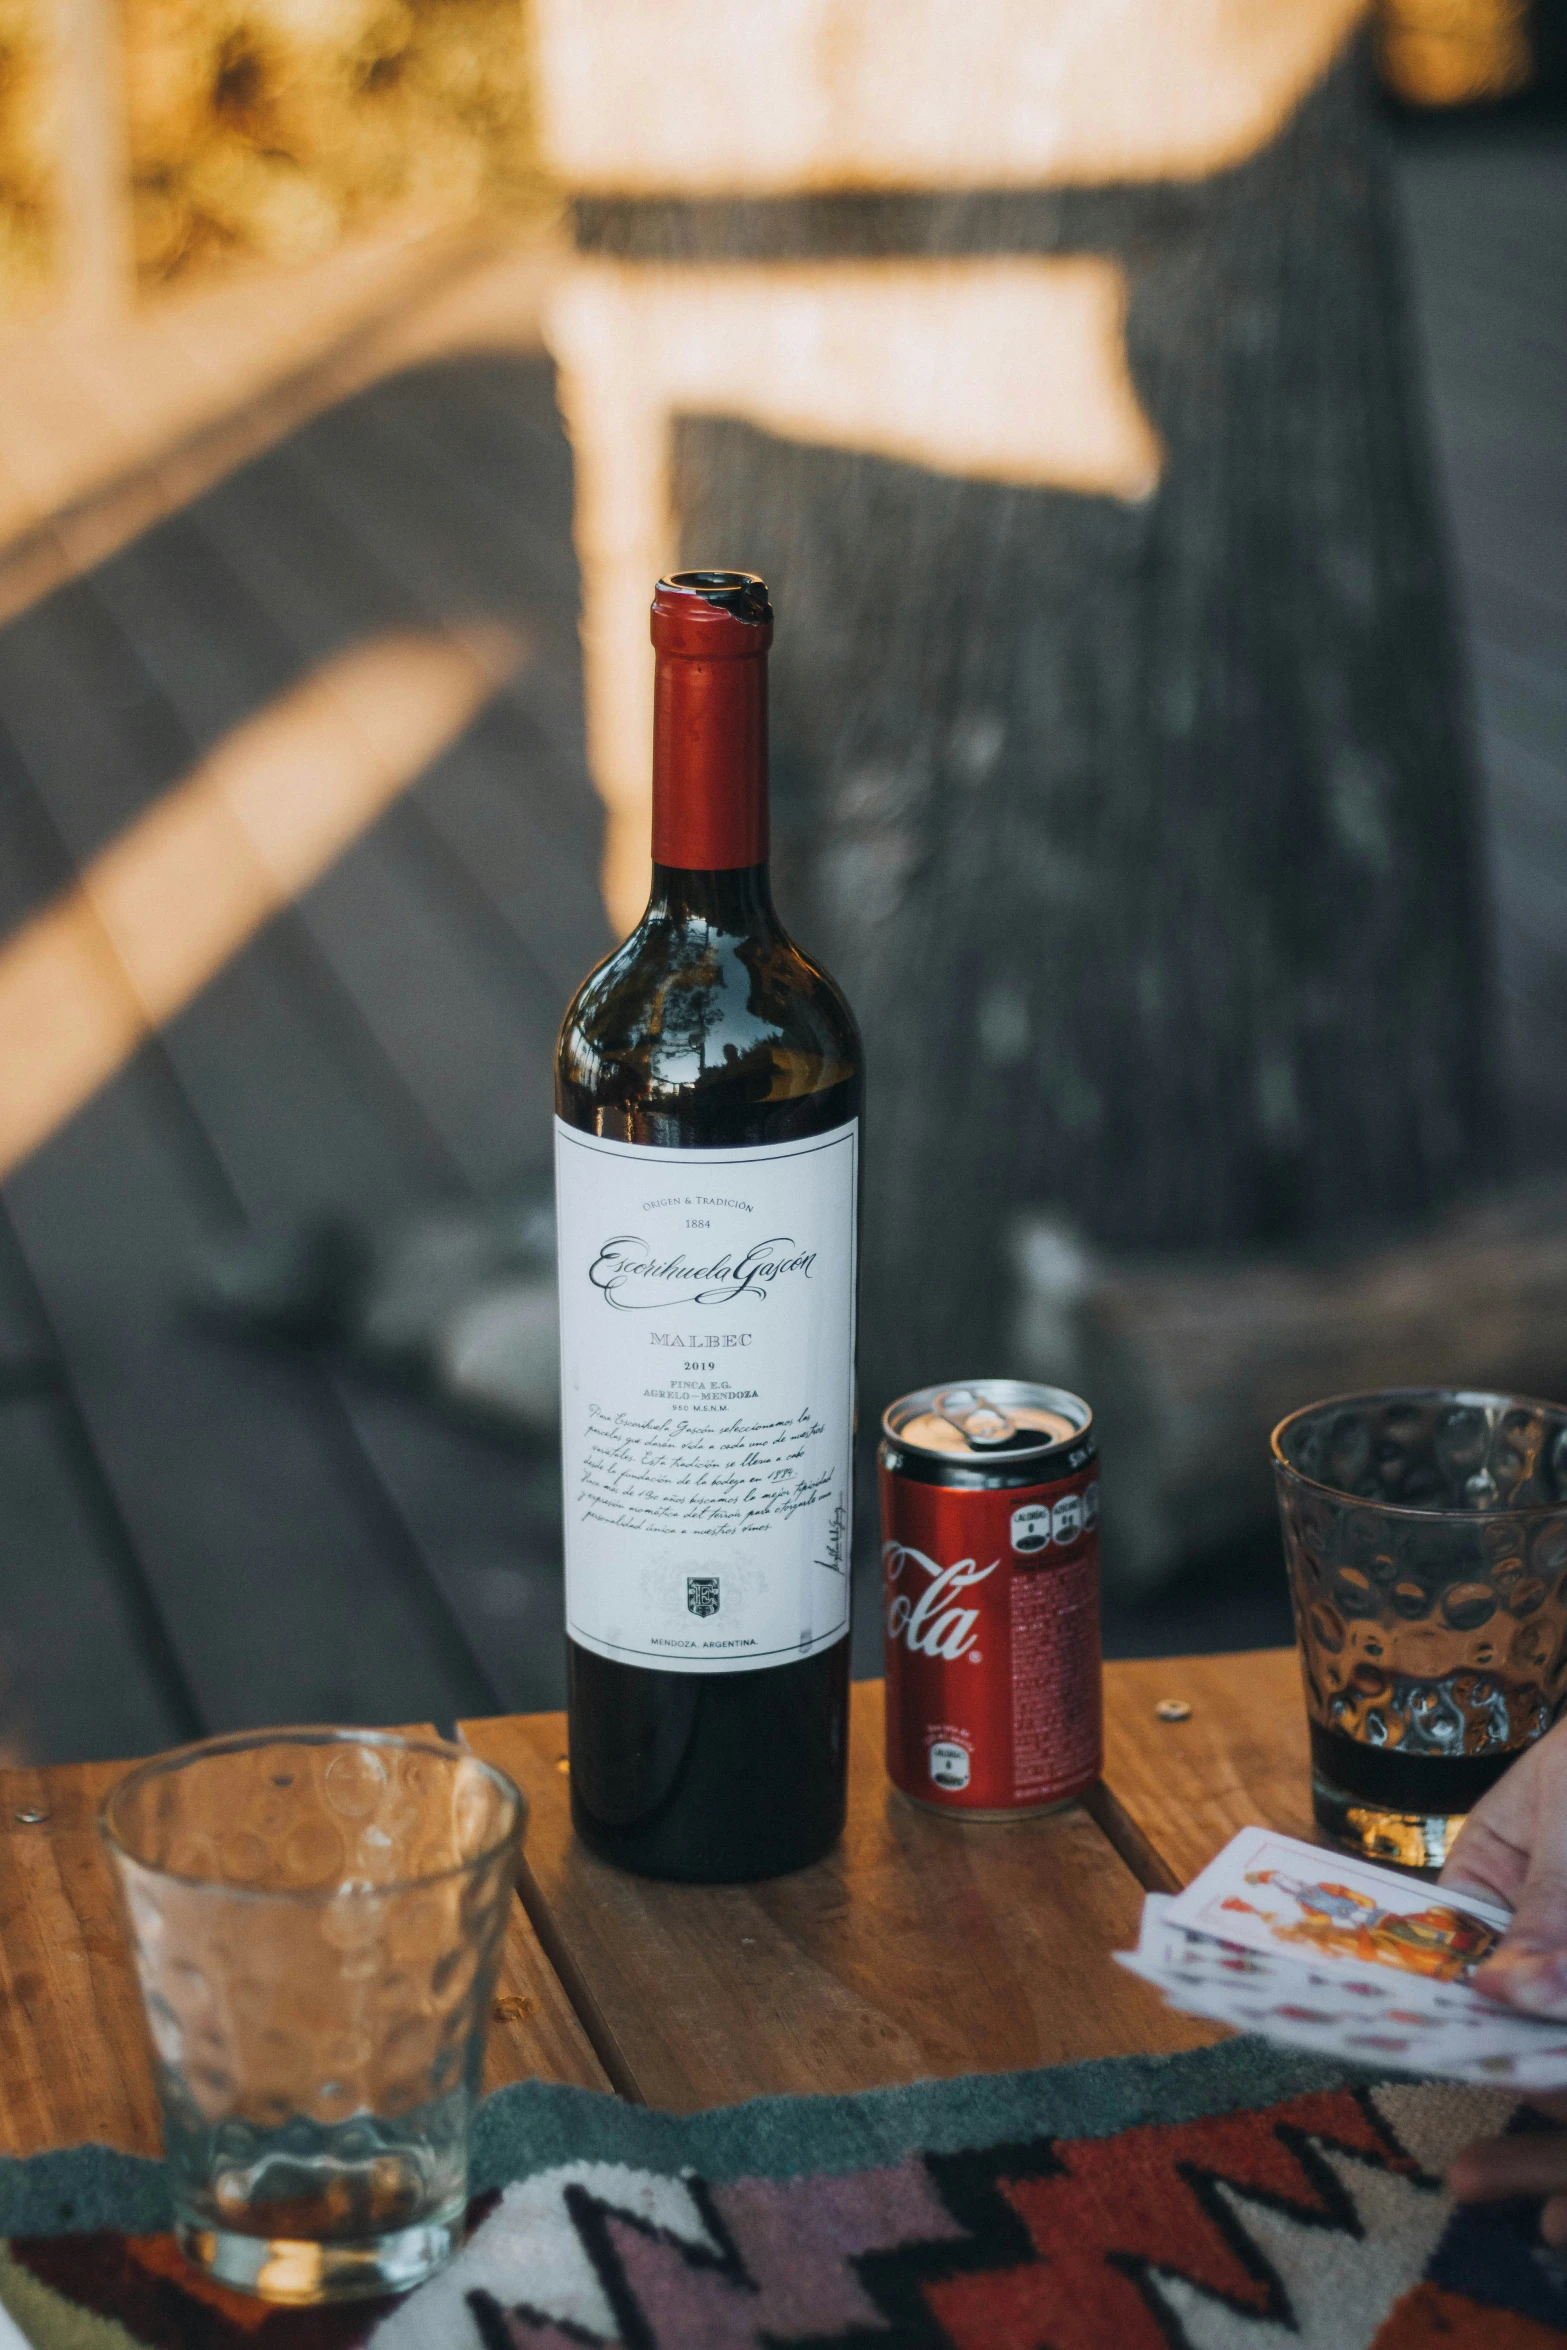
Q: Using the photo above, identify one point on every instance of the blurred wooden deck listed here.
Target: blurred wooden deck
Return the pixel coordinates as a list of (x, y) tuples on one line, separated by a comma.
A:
[(198, 1534)]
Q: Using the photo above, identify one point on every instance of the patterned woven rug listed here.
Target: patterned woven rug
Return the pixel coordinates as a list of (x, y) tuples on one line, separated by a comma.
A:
[(1236, 2199)]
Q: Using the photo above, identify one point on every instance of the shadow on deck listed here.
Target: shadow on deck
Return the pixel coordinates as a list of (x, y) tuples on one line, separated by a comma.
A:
[(200, 1534)]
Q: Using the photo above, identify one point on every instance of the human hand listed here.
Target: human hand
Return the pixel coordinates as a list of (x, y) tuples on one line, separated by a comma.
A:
[(1528, 2163), (1513, 1849)]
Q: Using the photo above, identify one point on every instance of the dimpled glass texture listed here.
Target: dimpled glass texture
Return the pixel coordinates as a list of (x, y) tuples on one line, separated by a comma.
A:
[(1425, 1533), (317, 1918)]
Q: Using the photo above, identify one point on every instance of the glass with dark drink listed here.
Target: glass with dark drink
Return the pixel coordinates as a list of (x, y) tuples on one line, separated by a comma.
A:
[(1425, 1533)]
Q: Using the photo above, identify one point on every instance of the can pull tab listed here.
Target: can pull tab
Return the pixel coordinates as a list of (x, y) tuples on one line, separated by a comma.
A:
[(981, 1424)]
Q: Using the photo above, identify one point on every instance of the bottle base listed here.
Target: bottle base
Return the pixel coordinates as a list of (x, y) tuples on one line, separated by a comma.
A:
[(709, 1778), (662, 1871)]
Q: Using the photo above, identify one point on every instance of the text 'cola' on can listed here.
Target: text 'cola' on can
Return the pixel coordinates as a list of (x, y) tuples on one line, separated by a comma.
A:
[(990, 1596)]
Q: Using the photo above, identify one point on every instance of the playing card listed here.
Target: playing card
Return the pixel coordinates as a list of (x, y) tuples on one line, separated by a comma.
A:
[(1274, 1894), (1455, 2046), (1169, 1950), (1316, 1990)]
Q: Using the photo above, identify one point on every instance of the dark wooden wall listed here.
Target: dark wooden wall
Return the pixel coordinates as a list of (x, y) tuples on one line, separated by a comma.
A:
[(1486, 213), (1146, 839)]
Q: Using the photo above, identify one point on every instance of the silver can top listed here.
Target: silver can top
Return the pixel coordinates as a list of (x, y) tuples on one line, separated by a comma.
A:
[(979, 1421)]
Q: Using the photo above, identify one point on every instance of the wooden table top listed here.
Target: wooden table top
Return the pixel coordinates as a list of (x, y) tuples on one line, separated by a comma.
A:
[(921, 1946)]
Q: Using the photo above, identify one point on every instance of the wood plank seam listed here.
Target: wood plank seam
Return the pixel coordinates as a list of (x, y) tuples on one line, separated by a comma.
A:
[(1176, 1789), (586, 2008), (1116, 1823), (573, 1982)]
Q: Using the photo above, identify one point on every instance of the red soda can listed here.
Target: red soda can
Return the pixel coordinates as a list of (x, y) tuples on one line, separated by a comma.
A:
[(990, 1588)]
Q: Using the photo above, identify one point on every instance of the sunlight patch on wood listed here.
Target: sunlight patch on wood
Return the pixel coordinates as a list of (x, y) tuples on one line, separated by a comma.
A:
[(259, 818), (1009, 370), (106, 425), (694, 100)]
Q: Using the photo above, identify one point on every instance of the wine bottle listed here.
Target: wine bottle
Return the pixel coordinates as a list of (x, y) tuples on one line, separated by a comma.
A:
[(707, 1094)]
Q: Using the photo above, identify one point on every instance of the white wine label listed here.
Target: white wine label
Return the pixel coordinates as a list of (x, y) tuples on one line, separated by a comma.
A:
[(707, 1397)]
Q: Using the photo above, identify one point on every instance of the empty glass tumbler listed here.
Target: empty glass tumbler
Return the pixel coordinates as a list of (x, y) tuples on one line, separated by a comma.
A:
[(1425, 1532), (317, 1918)]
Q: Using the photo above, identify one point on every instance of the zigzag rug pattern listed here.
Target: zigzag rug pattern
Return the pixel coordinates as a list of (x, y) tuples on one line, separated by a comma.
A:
[(1316, 2222)]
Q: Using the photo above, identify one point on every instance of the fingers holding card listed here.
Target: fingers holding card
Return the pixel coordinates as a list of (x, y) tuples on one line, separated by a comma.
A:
[(1334, 1954)]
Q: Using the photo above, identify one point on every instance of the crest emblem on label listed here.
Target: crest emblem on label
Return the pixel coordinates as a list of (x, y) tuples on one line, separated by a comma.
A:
[(702, 1594)]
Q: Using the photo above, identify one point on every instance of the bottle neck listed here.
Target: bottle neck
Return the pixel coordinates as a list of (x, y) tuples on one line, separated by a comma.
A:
[(734, 899), (710, 762)]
